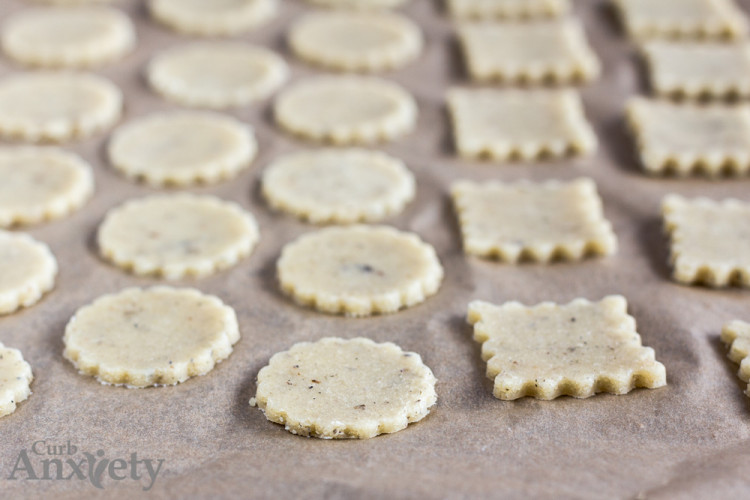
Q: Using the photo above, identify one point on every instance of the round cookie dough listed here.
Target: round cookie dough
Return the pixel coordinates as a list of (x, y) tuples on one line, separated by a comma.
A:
[(213, 17), (182, 148), (48, 106), (58, 37), (354, 41), (41, 184), (337, 389), (358, 4), (339, 186), (176, 236), (359, 270), (346, 109), (216, 74), (150, 337), (27, 271), (15, 379)]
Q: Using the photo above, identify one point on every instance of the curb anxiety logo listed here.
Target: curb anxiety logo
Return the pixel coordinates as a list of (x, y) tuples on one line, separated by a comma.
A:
[(55, 462)]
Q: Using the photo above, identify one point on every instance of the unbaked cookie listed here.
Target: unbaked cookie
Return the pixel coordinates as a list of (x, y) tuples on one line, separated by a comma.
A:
[(177, 236), (338, 185), (182, 148), (50, 106), (337, 389), (149, 337), (213, 17), (359, 270), (736, 335), (346, 110), (356, 41), (40, 184), (359, 4), (15, 379), (27, 271), (216, 74), (507, 9)]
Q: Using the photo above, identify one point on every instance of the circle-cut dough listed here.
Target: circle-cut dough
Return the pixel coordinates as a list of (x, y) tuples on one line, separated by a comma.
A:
[(182, 148), (337, 389), (49, 106), (40, 184), (340, 186), (150, 337), (175, 236), (346, 109), (359, 270), (358, 4), (15, 379), (216, 74), (353, 41), (213, 17), (27, 271), (59, 37)]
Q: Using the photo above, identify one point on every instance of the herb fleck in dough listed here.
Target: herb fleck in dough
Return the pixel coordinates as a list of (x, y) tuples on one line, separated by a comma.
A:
[(15, 379), (27, 271)]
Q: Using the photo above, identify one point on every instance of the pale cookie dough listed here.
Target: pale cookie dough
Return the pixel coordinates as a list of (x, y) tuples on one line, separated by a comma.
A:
[(182, 148), (177, 236), (150, 337), (535, 53), (213, 17), (57, 107), (342, 389), (710, 240), (736, 335), (359, 270), (507, 9), (550, 350), (682, 19), (338, 185), (355, 41), (27, 271), (216, 74), (40, 184), (527, 125), (538, 222), (58, 37), (359, 4), (346, 110), (691, 138), (15, 379)]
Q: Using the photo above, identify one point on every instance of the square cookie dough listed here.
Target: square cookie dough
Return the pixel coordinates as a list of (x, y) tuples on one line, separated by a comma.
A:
[(736, 335), (507, 9), (538, 222)]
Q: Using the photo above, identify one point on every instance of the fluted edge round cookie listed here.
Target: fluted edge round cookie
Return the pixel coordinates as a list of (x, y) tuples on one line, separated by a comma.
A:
[(176, 236), (216, 74), (182, 148), (356, 41), (57, 106), (15, 379), (337, 389), (338, 185), (42, 36), (358, 4), (150, 337), (359, 270), (346, 110), (27, 271), (203, 18)]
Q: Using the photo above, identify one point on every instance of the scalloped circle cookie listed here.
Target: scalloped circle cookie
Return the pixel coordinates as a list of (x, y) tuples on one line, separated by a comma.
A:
[(27, 271), (359, 4), (15, 379), (212, 17)]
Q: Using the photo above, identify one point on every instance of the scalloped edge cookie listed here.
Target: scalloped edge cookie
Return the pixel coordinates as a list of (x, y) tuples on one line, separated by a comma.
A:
[(736, 336), (507, 9), (175, 15), (35, 285), (368, 5), (17, 387)]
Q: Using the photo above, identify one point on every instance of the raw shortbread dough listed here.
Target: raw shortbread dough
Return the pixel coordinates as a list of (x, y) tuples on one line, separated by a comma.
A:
[(177, 236), (534, 52), (15, 379), (59, 37), (551, 350), (338, 185), (359, 4), (48, 106), (504, 125), (213, 17), (538, 222), (356, 41), (40, 184), (359, 270), (182, 148), (346, 110), (507, 9), (736, 335), (27, 271), (216, 74), (337, 389), (149, 337)]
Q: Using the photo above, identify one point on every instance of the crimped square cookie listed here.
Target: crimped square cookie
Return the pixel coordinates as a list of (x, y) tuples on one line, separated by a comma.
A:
[(507, 9), (736, 335)]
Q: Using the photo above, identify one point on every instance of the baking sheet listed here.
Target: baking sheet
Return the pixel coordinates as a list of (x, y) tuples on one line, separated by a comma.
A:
[(689, 439)]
